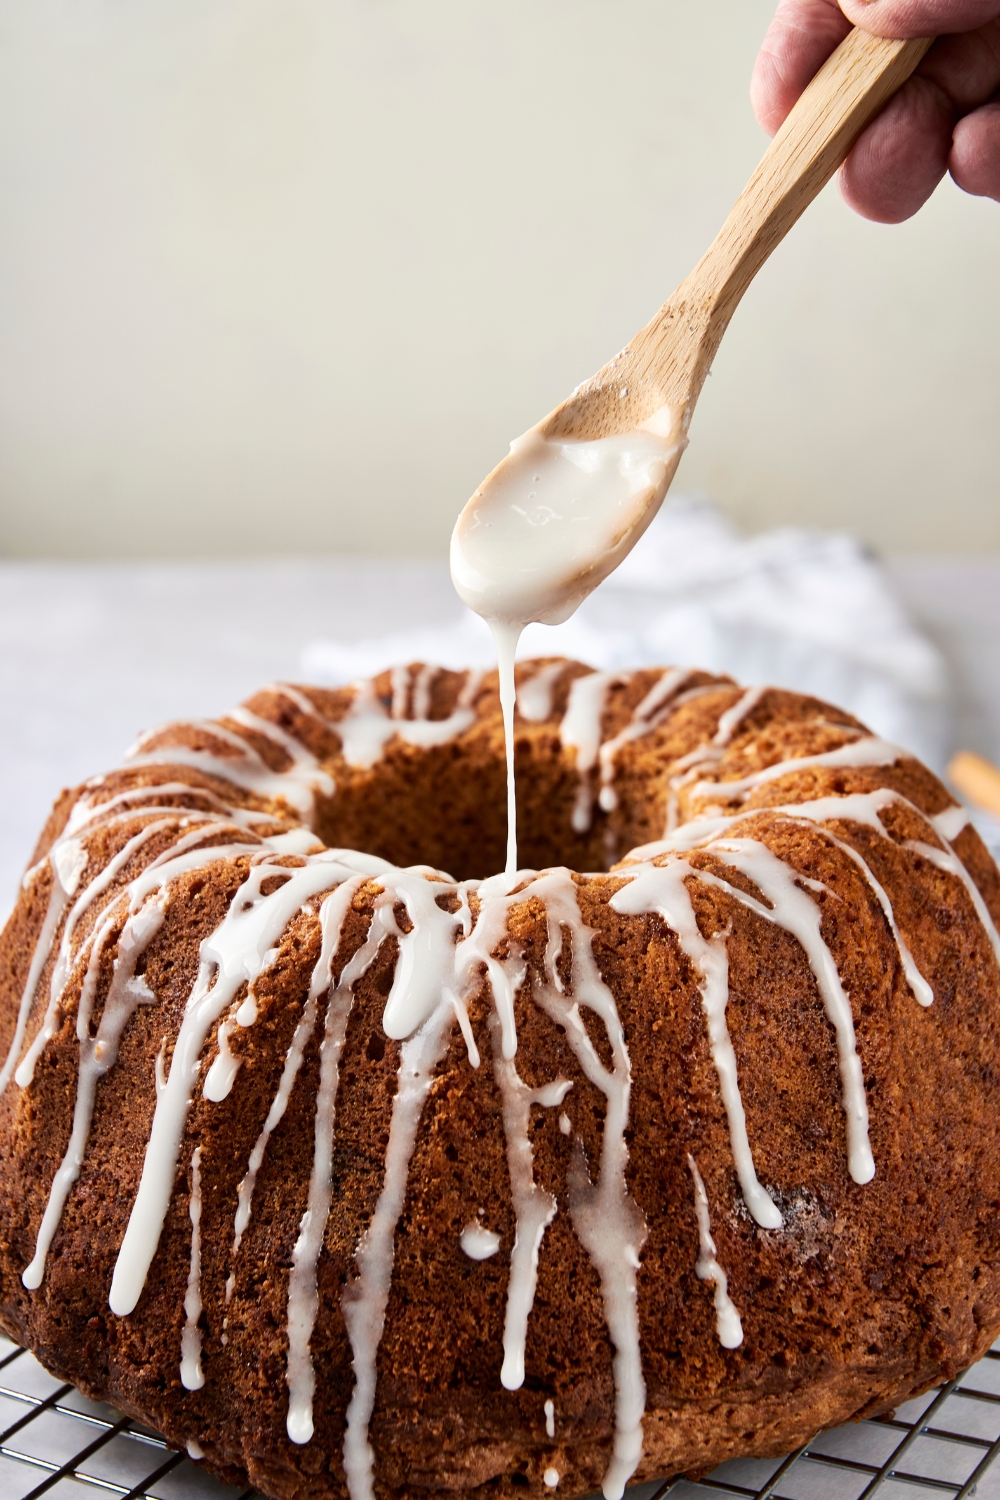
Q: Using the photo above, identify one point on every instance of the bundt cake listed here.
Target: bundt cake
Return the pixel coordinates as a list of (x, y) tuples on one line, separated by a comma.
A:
[(358, 1178)]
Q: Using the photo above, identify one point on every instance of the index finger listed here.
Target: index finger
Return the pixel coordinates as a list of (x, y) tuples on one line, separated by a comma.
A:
[(907, 18), (798, 42)]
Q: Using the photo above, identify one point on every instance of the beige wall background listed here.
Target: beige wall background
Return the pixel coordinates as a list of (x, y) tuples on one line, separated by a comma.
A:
[(285, 276)]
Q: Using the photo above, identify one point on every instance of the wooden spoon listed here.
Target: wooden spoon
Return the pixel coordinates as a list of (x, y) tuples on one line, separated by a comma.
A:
[(667, 361), (574, 495), (977, 779), (551, 520)]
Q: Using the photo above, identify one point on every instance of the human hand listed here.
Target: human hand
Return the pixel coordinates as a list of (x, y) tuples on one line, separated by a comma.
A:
[(945, 118)]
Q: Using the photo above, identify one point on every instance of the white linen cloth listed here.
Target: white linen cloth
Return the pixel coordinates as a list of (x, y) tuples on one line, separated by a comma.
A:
[(92, 653), (805, 610)]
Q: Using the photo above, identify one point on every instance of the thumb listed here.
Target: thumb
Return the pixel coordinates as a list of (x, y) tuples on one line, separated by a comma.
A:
[(905, 18)]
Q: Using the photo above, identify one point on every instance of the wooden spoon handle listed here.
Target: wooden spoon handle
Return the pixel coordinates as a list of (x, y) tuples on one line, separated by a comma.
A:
[(847, 92), (667, 361), (978, 779)]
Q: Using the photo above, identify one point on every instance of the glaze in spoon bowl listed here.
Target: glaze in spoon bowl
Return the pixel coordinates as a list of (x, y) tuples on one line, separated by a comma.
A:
[(557, 516), (574, 494)]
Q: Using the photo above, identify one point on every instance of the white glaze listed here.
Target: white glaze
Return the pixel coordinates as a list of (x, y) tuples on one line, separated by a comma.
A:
[(534, 1207), (824, 809), (948, 860), (85, 813), (551, 1478), (794, 910), (949, 824), (605, 1216), (304, 766), (687, 768), (365, 1297), (275, 1114), (424, 965), (303, 1295), (399, 677), (607, 1220), (222, 1074), (60, 971), (534, 695), (476, 950), (648, 715), (332, 914), (452, 966), (707, 1268), (192, 1375), (853, 807), (430, 732), (663, 889), (556, 517), (731, 720), (505, 638), (233, 955), (298, 785), (856, 754), (422, 693), (545, 528), (368, 727), (478, 1242), (550, 1419), (58, 897), (70, 858), (97, 1055), (580, 730)]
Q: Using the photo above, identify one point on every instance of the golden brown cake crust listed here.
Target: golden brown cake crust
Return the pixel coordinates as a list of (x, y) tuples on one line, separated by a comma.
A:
[(866, 1294)]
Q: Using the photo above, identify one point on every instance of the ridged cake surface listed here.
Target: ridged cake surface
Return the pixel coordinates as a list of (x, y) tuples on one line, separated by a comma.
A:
[(360, 1178)]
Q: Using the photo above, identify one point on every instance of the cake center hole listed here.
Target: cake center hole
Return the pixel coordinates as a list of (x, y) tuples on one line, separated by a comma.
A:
[(447, 807)]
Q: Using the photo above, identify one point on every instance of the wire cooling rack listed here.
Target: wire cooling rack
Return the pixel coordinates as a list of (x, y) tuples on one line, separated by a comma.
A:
[(56, 1443)]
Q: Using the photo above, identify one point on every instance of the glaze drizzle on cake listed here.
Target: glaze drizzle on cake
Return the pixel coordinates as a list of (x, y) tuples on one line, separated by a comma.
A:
[(450, 938)]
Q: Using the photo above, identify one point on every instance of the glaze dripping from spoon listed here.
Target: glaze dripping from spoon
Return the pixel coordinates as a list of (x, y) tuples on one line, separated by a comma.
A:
[(575, 494), (548, 525)]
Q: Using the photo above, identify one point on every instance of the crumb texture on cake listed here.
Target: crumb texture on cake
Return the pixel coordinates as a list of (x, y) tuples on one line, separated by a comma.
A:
[(373, 1172)]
